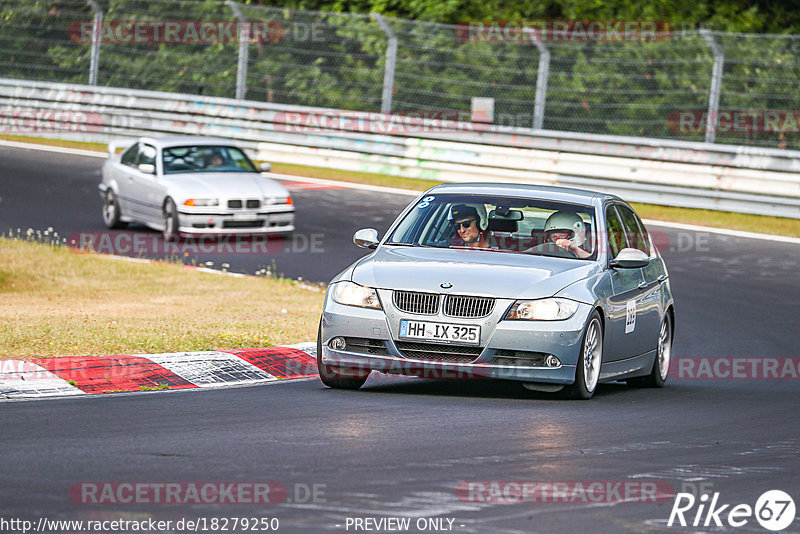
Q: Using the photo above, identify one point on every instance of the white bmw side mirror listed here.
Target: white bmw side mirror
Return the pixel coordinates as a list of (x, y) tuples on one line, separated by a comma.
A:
[(147, 168), (265, 167)]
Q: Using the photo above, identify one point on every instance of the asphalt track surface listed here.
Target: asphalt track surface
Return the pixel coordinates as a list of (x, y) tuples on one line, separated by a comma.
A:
[(401, 447)]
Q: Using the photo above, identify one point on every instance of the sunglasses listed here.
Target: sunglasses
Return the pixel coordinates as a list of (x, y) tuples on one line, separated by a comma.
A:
[(464, 224)]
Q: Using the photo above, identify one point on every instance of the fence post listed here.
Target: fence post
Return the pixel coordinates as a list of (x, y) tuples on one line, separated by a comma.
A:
[(244, 49), (716, 85), (391, 58), (542, 77), (94, 56)]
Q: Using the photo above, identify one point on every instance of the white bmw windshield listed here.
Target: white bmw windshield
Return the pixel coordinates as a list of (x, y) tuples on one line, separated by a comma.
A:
[(187, 159)]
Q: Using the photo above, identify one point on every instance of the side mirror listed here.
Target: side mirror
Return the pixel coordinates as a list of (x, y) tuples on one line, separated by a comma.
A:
[(147, 168), (366, 238), (265, 167), (630, 258)]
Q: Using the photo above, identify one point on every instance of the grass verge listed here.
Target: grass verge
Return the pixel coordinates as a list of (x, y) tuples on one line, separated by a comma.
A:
[(720, 219), (58, 302)]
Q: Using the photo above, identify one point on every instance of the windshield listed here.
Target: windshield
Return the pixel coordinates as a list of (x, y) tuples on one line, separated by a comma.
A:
[(500, 224), (183, 159)]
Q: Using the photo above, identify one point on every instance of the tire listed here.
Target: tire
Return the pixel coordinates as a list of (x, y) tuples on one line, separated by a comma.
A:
[(658, 374), (111, 212), (587, 370), (171, 221), (333, 377)]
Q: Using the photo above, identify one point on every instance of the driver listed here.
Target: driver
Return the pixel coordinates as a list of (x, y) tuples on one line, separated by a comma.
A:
[(215, 161), (471, 223), (566, 231)]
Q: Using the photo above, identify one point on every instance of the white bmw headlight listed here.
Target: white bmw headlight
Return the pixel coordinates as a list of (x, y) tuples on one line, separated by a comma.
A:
[(352, 294), (202, 202), (552, 309)]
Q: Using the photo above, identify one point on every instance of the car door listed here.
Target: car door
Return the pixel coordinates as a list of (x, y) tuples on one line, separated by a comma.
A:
[(122, 172), (147, 189), (650, 302), (627, 286)]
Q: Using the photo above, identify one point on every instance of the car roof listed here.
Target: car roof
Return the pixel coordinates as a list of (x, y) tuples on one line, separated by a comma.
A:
[(167, 141), (560, 194)]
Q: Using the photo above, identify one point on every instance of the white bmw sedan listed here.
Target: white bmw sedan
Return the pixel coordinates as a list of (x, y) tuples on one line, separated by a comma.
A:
[(192, 185)]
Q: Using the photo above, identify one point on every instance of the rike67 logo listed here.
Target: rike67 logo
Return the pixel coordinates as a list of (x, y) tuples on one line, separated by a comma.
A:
[(774, 510)]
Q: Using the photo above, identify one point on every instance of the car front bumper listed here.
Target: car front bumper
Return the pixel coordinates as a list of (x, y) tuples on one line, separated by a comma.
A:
[(222, 223), (559, 338)]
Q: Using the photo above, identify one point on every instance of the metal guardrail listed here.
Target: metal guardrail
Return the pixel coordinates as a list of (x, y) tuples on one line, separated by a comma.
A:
[(698, 175)]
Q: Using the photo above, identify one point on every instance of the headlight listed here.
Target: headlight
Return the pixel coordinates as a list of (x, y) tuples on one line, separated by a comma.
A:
[(202, 202), (553, 309), (278, 200), (352, 294)]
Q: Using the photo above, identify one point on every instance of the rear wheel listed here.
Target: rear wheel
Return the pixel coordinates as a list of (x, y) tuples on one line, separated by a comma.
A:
[(111, 213), (338, 377), (171, 222), (658, 375), (587, 370)]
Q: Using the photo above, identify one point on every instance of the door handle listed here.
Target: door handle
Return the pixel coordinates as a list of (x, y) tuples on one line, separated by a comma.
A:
[(642, 285), (662, 277)]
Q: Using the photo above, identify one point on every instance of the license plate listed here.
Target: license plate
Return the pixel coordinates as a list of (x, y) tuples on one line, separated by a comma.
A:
[(466, 334), (244, 216)]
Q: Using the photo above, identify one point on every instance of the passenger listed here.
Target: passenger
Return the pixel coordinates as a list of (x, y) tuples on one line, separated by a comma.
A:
[(565, 231), (471, 224)]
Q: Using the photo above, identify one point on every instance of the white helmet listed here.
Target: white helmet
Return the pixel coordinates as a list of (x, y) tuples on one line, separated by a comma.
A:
[(566, 221), (460, 211)]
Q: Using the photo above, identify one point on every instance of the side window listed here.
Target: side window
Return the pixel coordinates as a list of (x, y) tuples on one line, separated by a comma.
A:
[(616, 235), (129, 156), (147, 155), (637, 236)]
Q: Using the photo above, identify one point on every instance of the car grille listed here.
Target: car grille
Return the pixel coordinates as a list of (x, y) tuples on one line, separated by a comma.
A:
[(438, 353), (237, 203), (243, 224), (519, 357), (418, 303), (460, 306), (365, 346)]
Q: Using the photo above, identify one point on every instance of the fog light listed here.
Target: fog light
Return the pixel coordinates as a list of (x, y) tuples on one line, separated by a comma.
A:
[(337, 343), (552, 361)]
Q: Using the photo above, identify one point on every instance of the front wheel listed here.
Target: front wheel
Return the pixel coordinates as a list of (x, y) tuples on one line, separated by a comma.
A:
[(171, 222), (111, 212), (587, 370), (338, 377), (658, 375)]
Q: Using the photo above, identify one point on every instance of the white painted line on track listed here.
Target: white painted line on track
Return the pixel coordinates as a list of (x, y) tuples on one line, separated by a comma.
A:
[(343, 185), (724, 231), (58, 149), (408, 192)]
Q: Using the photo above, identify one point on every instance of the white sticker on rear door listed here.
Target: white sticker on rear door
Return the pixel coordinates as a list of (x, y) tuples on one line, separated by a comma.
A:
[(630, 316)]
